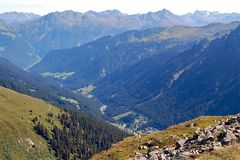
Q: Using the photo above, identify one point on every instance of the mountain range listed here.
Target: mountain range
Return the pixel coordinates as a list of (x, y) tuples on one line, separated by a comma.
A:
[(137, 73), (18, 17), (201, 81), (95, 60), (73, 84), (41, 34)]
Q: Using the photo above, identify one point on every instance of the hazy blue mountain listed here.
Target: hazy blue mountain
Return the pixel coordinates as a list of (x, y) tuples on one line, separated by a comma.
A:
[(60, 30), (18, 17), (201, 81), (70, 29), (95, 60), (133, 72), (200, 18), (15, 47)]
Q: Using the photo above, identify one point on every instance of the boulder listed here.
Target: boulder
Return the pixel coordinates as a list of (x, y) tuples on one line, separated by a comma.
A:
[(219, 127), (163, 157), (180, 143), (209, 136), (155, 147), (228, 137)]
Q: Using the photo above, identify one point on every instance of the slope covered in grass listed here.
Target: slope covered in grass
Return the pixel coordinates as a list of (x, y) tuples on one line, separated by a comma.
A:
[(18, 140), (127, 148), (33, 129)]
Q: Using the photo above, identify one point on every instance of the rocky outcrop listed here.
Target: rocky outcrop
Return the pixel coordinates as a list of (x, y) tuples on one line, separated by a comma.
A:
[(211, 138)]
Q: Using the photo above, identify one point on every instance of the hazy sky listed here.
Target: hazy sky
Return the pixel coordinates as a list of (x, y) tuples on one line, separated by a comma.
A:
[(126, 6)]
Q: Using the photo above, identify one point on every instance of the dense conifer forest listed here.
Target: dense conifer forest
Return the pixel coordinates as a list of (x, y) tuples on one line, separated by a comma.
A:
[(81, 136)]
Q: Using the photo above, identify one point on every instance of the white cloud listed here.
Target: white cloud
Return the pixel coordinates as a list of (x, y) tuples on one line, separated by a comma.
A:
[(126, 6)]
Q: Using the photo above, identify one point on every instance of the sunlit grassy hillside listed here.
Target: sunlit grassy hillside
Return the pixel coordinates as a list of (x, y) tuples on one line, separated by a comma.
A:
[(126, 148), (18, 139)]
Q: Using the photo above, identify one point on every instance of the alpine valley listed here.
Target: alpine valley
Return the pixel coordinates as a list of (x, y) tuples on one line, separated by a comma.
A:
[(145, 76), (114, 86)]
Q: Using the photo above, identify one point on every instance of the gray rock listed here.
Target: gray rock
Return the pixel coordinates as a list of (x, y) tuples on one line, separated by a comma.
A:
[(163, 157), (152, 153), (180, 143), (153, 157), (209, 136), (155, 147), (219, 127), (228, 137)]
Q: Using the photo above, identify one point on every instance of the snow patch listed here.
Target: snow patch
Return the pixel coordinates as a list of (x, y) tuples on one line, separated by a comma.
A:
[(103, 73), (177, 75), (103, 108)]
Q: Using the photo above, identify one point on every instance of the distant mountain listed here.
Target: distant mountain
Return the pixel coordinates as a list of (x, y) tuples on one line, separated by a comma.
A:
[(200, 18), (18, 17), (16, 79), (14, 46), (201, 81), (134, 73), (69, 29), (95, 60)]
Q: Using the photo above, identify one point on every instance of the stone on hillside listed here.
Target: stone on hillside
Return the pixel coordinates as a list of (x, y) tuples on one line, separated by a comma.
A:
[(191, 125), (163, 157), (233, 120), (198, 129), (237, 128), (209, 136), (222, 122), (143, 148), (153, 152), (202, 141), (183, 155), (228, 137), (153, 157), (180, 143), (149, 142), (219, 127), (138, 136), (155, 147), (217, 145), (137, 153)]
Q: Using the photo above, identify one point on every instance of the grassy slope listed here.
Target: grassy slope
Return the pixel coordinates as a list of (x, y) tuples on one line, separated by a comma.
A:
[(228, 153), (125, 149), (16, 114)]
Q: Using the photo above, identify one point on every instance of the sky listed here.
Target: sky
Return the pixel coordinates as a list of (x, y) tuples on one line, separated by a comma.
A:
[(126, 6)]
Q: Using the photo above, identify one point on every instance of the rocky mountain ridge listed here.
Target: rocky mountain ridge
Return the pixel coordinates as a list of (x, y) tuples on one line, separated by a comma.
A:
[(18, 17), (211, 138)]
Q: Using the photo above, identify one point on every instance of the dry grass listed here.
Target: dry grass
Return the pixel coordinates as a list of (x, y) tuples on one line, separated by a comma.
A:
[(229, 153)]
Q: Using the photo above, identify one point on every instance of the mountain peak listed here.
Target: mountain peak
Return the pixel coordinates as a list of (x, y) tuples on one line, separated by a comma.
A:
[(112, 12), (165, 12), (162, 12), (18, 17)]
